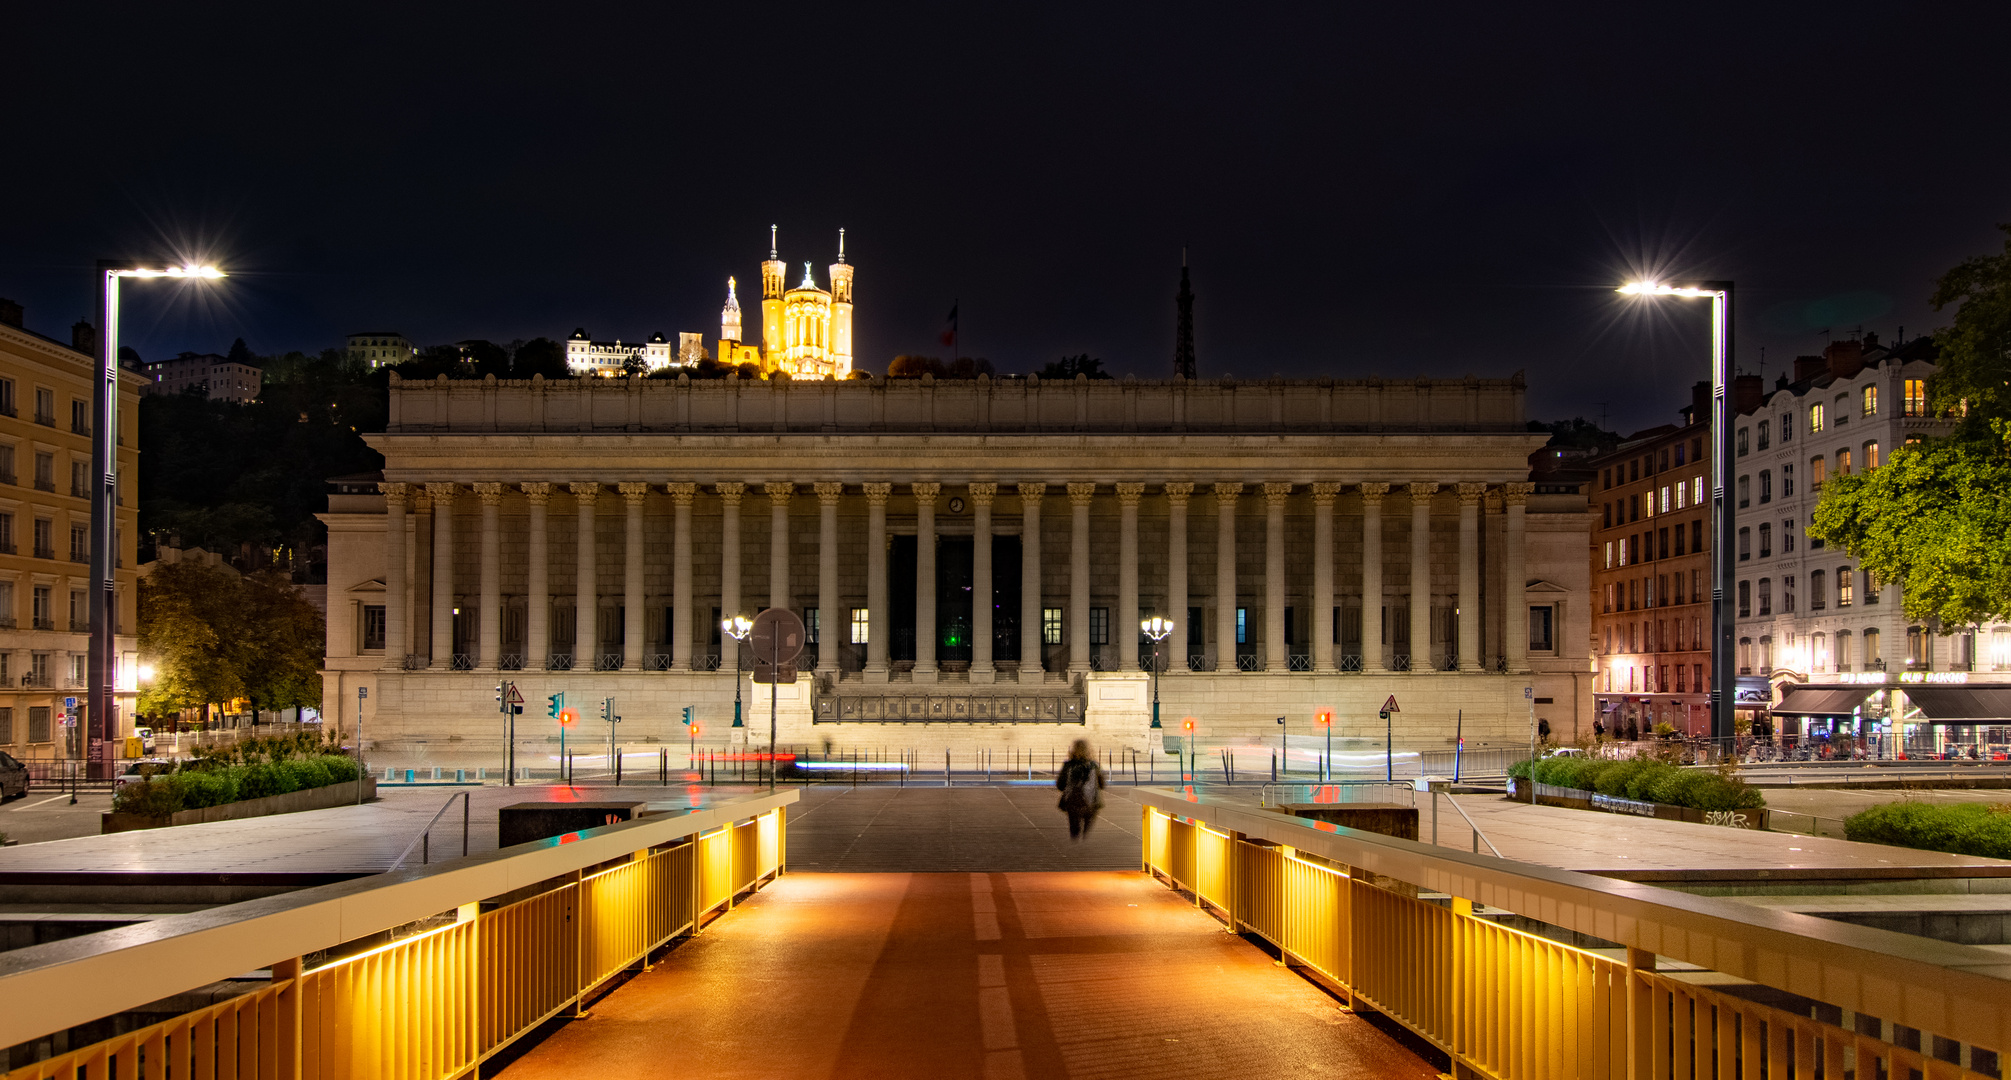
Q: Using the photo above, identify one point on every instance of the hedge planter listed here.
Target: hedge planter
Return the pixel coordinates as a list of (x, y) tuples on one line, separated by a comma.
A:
[(321, 798), (1575, 799)]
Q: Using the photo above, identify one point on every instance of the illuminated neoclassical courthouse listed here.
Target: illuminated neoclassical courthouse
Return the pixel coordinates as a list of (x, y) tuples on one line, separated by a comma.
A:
[(973, 557)]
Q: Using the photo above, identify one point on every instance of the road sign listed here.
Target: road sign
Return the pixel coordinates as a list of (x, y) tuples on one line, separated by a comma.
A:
[(514, 696), (69, 703), (777, 636), (1391, 704), (1527, 692), (765, 673)]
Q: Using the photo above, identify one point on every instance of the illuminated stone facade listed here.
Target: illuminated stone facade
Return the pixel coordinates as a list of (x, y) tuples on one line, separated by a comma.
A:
[(973, 556), (805, 331)]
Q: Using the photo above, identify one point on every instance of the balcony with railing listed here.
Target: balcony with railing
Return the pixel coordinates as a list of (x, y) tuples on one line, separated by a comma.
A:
[(46, 419), (45, 483)]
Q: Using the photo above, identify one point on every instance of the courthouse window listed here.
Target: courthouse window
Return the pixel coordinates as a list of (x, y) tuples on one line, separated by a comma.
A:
[(861, 625), (1099, 626), (1050, 626), (373, 626)]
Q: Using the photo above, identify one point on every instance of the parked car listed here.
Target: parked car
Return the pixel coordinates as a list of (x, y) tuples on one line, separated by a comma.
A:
[(1564, 751), (13, 777), (139, 769)]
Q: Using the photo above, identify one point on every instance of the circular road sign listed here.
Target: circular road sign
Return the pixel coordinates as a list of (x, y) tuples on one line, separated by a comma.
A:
[(777, 637)]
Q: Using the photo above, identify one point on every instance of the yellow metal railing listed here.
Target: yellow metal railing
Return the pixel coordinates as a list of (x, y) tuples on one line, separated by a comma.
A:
[(435, 1004), (1507, 1004)]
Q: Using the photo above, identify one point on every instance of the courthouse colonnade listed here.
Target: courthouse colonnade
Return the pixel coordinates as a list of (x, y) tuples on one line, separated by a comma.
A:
[(428, 590)]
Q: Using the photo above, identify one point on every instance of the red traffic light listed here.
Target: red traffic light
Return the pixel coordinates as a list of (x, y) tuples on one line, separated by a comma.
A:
[(1188, 724), (568, 716), (1323, 718), (697, 729)]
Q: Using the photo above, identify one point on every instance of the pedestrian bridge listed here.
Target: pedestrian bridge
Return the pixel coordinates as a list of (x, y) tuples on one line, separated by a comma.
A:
[(679, 945)]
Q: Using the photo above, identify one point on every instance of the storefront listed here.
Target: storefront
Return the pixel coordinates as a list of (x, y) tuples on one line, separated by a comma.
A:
[(1912, 715)]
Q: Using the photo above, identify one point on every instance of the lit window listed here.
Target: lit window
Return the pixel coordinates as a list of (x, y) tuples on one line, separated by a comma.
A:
[(1050, 626), (1916, 397), (1815, 473), (1815, 418), (1845, 580), (1871, 455), (1609, 554), (1870, 400), (1843, 462), (1682, 495), (1665, 498), (1697, 491), (1242, 626), (862, 625)]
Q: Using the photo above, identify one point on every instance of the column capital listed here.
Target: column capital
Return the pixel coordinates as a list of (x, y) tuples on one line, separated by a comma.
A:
[(491, 493), (926, 493), (1469, 494), (779, 491), (1421, 492), (1129, 494), (393, 492), (1227, 493), (537, 491), (586, 493), (633, 491), (1179, 491), (1373, 492), (1276, 493), (1517, 494), (681, 492), (828, 491), (731, 491), (877, 492), (440, 492), (1079, 494), (1324, 493), (1032, 491), (982, 494)]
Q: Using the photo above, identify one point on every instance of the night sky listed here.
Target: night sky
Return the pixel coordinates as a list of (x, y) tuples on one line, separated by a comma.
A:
[(1388, 189)]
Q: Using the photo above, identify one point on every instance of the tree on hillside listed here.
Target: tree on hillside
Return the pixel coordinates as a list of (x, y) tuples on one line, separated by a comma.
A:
[(1068, 367), (1576, 432), (540, 356), (240, 353), (1936, 517)]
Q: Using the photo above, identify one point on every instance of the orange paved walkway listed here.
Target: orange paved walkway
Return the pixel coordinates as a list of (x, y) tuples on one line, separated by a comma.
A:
[(1037, 975)]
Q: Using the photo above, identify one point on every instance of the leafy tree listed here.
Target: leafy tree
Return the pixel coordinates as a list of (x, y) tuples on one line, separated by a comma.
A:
[(1936, 517), (540, 356), (240, 353), (1975, 360), (1068, 367), (634, 365), (1576, 432), (213, 635), (279, 656)]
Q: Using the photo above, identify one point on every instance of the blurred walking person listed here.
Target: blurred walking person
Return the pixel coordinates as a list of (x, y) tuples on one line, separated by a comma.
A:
[(1081, 783)]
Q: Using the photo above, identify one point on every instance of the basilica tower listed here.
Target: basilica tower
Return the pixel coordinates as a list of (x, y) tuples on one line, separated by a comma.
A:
[(729, 316), (772, 285), (841, 313)]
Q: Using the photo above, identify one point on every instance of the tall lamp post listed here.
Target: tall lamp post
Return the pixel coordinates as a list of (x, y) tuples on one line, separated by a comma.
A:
[(1157, 629), (102, 675), (1724, 679), (737, 628)]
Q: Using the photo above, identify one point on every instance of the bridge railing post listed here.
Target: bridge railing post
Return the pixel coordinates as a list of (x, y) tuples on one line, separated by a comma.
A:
[(1640, 1015)]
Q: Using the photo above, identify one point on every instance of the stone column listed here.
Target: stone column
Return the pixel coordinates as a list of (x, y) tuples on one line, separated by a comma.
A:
[(1277, 654), (729, 556), (586, 584), (1321, 614), (1225, 575), (1124, 625), (877, 628), (1514, 569), (778, 544), (1173, 651), (490, 648), (982, 669), (1030, 644), (832, 622), (1078, 576), (537, 580), (394, 576), (1372, 576), (681, 646), (925, 578), (420, 633), (1469, 575), (633, 634), (1420, 577), (443, 574)]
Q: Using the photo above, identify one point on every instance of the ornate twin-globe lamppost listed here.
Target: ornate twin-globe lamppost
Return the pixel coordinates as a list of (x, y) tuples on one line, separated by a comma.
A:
[(1723, 670), (737, 628), (1157, 629), (102, 675)]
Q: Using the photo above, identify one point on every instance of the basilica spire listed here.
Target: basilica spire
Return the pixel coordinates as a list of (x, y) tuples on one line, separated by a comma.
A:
[(1183, 334), (729, 316)]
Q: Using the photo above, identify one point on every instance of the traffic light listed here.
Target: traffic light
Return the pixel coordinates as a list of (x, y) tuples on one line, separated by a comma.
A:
[(696, 730), (607, 711), (500, 707), (1188, 725), (1323, 718), (558, 704), (568, 717), (687, 715)]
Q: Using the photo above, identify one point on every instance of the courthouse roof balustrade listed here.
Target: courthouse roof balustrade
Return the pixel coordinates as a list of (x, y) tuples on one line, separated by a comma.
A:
[(1029, 405)]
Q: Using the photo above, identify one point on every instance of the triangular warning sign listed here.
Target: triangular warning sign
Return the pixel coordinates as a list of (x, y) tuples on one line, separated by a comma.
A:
[(1391, 704)]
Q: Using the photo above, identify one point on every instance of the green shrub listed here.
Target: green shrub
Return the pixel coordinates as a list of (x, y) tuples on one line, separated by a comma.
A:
[(157, 797), (1957, 828), (303, 773), (207, 787), (1616, 780), (1520, 769), (341, 769)]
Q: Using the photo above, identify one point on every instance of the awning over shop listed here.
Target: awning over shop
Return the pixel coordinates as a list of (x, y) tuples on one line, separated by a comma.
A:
[(1823, 700), (1962, 704)]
